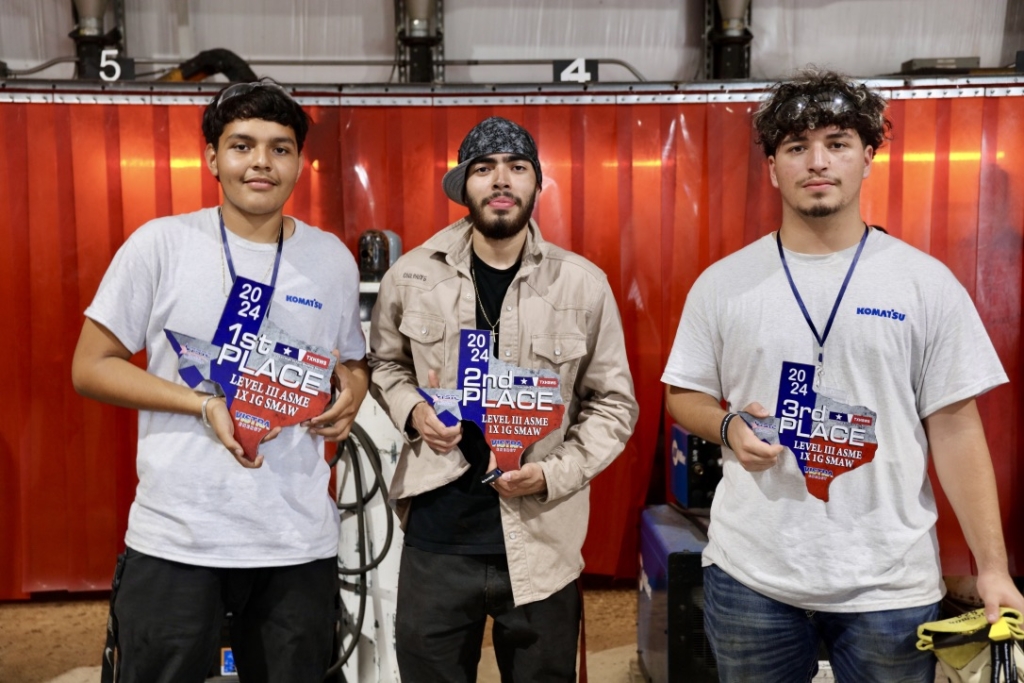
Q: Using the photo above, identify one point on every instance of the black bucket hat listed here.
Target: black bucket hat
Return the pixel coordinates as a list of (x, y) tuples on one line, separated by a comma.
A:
[(491, 136)]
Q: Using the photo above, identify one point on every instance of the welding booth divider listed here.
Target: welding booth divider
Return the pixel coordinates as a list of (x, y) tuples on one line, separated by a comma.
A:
[(652, 187)]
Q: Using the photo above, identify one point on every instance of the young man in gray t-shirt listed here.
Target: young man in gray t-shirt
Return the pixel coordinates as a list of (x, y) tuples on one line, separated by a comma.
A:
[(852, 355), (211, 531)]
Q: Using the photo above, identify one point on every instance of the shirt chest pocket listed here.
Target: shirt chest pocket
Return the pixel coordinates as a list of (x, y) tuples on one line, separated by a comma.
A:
[(561, 353), (425, 333)]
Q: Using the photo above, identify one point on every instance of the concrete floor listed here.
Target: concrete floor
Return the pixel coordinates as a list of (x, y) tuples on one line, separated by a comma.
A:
[(618, 665), (611, 639), (61, 641)]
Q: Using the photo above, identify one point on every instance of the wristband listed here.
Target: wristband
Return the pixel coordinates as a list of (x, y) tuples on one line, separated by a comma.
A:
[(724, 429), (206, 419)]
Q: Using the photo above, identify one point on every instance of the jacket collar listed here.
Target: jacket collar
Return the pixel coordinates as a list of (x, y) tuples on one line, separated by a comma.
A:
[(455, 243)]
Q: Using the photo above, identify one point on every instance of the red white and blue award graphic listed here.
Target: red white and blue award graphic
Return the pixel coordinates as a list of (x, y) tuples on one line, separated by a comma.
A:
[(827, 437), (269, 378), (514, 407)]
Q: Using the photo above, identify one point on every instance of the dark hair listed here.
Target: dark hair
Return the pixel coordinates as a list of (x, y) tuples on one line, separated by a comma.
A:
[(816, 99), (263, 99)]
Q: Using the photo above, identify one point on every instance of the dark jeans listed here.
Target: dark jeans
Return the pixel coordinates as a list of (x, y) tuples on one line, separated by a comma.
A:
[(170, 617), (759, 640), (443, 604)]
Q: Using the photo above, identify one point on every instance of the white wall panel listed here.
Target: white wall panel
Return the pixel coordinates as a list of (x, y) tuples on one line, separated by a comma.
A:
[(33, 31), (661, 38), (270, 29), (871, 37)]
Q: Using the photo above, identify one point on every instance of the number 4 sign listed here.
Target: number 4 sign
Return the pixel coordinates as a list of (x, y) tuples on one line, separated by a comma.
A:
[(575, 70)]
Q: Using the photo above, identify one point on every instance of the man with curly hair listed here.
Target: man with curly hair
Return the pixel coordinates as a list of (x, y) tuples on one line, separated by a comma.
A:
[(868, 354)]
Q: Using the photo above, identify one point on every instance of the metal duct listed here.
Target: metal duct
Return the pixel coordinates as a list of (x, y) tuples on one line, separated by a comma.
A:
[(734, 15), (90, 16), (421, 21)]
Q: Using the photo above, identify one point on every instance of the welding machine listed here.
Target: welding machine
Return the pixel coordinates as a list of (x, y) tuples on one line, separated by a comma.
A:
[(670, 603)]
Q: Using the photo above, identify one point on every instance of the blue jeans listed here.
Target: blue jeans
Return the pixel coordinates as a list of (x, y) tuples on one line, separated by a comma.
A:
[(759, 640)]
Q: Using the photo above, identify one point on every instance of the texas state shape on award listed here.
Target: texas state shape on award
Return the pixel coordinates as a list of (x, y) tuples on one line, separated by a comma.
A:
[(269, 379), (827, 437), (514, 407)]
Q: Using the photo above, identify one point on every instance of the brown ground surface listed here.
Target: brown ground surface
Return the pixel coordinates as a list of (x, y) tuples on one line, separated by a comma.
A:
[(42, 638)]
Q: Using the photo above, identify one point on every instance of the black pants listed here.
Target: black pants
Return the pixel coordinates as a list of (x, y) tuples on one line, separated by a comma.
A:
[(443, 604), (170, 617)]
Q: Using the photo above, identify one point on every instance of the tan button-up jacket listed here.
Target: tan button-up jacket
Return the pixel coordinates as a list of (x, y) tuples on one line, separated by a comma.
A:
[(558, 314)]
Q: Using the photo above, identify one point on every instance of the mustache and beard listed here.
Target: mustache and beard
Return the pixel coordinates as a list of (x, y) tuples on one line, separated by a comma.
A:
[(820, 209), (506, 224)]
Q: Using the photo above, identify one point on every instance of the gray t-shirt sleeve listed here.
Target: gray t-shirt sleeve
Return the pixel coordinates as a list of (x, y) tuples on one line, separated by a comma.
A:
[(694, 360), (959, 361), (124, 301)]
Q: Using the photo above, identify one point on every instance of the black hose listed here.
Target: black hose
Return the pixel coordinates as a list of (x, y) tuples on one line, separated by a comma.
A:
[(353, 452), (361, 580), (373, 456), (218, 61), (359, 435)]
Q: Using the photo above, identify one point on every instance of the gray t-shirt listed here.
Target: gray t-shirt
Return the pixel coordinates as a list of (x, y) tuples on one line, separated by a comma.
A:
[(846, 520), (194, 503)]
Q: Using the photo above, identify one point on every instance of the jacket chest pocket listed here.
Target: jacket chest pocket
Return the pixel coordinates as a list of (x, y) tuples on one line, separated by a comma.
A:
[(425, 333), (563, 354)]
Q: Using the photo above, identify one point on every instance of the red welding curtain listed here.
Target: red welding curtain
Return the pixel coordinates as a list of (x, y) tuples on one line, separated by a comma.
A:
[(652, 193)]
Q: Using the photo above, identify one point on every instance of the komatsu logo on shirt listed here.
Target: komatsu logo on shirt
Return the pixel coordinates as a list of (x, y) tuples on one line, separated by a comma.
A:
[(312, 303), (881, 312)]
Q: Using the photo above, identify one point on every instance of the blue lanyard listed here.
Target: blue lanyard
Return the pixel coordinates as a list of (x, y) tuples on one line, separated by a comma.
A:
[(227, 250), (820, 338)]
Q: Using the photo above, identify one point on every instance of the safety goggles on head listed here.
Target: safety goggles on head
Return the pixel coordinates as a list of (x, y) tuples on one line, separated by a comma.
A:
[(829, 102), (245, 88)]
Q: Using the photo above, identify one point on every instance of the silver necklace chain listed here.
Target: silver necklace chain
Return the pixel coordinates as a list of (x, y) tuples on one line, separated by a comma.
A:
[(480, 302)]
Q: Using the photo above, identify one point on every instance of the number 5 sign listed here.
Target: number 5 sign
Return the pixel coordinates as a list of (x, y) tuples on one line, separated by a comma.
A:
[(109, 68), (575, 70), (108, 58)]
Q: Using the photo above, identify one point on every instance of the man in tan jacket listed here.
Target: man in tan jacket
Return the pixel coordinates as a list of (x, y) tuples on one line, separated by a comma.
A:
[(510, 548)]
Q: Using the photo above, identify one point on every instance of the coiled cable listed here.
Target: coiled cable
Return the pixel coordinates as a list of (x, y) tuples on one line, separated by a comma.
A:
[(358, 440)]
